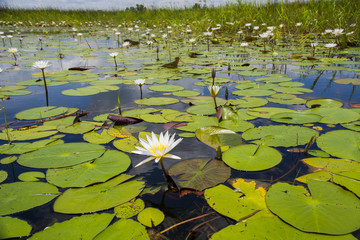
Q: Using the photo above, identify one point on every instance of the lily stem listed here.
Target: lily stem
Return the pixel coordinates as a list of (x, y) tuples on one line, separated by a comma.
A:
[(46, 90)]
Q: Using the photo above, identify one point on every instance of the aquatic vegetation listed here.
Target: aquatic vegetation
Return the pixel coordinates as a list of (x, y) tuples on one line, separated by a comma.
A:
[(277, 156)]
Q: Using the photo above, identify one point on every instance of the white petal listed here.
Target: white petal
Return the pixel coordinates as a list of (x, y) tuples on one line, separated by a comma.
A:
[(144, 161), (172, 156), (157, 159)]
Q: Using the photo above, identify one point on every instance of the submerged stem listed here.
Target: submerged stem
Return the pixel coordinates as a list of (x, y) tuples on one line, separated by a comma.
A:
[(46, 90)]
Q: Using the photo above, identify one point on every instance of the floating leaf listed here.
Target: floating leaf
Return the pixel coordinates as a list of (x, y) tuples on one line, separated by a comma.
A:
[(76, 128), (353, 81), (129, 209), (28, 134), (202, 109), (151, 217), (3, 175), (295, 118), (127, 144), (102, 138), (352, 125), (98, 197), (166, 88), (199, 173), (199, 122), (13, 227), (186, 93), (31, 176), (270, 227), (267, 112), (341, 143), (254, 92), (8, 160), (215, 137), (252, 157), (103, 168), (21, 196), (156, 101), (41, 112), (63, 155), (323, 102), (236, 126), (248, 102), (238, 203), (84, 227), (330, 209), (124, 229), (280, 135), (334, 115)]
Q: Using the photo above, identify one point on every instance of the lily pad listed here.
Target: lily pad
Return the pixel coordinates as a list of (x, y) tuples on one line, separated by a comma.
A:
[(124, 229), (267, 112), (236, 126), (151, 217), (353, 81), (31, 176), (129, 209), (126, 144), (98, 197), (186, 93), (202, 109), (21, 196), (82, 227), (254, 92), (329, 209), (295, 118), (28, 134), (62, 155), (341, 143), (215, 137), (248, 102), (103, 168), (252, 157), (13, 227), (40, 113), (199, 122), (76, 128), (156, 101), (166, 88), (323, 102), (334, 115), (3, 175), (280, 135), (102, 138), (199, 173)]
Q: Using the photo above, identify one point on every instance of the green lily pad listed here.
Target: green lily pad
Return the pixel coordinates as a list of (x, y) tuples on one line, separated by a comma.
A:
[(202, 109), (82, 227), (67, 121), (295, 118), (199, 122), (3, 175), (330, 209), (248, 102), (28, 134), (166, 88), (31, 176), (199, 173), (76, 128), (242, 201), (353, 81), (341, 143), (40, 113), (21, 196), (62, 155), (124, 229), (267, 112), (274, 79), (254, 92), (103, 168), (280, 135), (151, 217), (8, 160), (126, 144), (323, 102), (13, 227), (186, 93), (352, 125), (24, 147), (270, 227), (252, 157), (156, 101), (85, 91), (203, 100), (334, 115), (215, 137), (293, 101), (129, 209), (252, 73), (99, 197), (102, 138), (236, 126)]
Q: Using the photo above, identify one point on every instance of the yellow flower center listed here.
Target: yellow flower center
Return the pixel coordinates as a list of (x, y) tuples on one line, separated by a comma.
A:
[(160, 147)]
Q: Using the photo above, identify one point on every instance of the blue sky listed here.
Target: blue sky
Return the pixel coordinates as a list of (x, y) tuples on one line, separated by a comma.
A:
[(109, 4)]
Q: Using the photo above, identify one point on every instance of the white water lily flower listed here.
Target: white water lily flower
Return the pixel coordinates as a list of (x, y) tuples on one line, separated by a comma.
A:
[(330, 45), (214, 90), (207, 33), (314, 44), (13, 50), (1, 70), (264, 35), (157, 148), (338, 31), (192, 40), (114, 54), (244, 44), (41, 64), (139, 81)]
